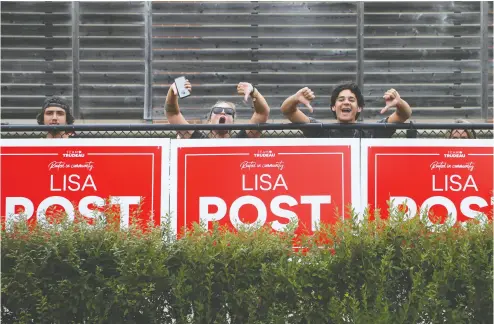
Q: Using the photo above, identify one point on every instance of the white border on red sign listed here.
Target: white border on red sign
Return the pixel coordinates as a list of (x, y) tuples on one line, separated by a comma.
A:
[(164, 144), (409, 142), (255, 142)]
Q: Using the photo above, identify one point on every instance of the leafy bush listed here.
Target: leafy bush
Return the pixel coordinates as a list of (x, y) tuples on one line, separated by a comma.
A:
[(378, 271)]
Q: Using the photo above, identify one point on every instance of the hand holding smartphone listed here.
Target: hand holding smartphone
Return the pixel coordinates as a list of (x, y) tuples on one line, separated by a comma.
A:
[(182, 91)]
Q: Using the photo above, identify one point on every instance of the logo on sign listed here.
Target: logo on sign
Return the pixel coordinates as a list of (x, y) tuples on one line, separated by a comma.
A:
[(454, 154), (73, 154), (264, 154)]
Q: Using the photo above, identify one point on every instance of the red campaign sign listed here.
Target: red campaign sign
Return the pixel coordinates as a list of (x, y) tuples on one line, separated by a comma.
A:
[(432, 177), (41, 180), (270, 185)]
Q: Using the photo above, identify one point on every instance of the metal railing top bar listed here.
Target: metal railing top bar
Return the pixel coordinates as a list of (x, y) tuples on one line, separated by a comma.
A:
[(267, 126)]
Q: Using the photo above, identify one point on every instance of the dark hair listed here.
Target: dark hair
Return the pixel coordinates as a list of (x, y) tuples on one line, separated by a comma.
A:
[(354, 89), (57, 102), (470, 132)]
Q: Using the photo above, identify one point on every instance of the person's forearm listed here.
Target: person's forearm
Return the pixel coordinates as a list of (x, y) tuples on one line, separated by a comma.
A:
[(261, 106), (403, 109), (171, 103), (289, 106)]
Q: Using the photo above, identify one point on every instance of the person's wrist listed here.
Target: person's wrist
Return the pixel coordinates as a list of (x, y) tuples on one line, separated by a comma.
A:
[(253, 93), (171, 93)]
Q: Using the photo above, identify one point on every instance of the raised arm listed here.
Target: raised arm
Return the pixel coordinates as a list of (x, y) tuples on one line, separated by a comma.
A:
[(172, 109), (289, 107), (403, 110), (261, 107)]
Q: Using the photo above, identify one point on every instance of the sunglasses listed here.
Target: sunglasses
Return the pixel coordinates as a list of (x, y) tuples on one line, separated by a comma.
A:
[(219, 110)]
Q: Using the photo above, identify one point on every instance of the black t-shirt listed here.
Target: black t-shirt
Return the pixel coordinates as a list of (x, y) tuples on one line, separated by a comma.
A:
[(199, 134), (349, 133)]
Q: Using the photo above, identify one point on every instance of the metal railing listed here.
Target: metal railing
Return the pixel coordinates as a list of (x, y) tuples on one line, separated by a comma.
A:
[(405, 130)]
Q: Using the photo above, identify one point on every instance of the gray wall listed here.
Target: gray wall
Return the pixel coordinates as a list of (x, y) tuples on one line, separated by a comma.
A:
[(115, 60)]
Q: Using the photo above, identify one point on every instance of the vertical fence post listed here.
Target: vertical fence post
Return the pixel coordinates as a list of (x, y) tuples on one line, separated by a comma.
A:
[(360, 49), (75, 60), (484, 58), (148, 57)]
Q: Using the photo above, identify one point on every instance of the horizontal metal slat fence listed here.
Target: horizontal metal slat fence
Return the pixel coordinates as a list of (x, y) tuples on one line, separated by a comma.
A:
[(115, 60)]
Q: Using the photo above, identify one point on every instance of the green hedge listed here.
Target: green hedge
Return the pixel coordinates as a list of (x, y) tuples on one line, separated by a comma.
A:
[(371, 272)]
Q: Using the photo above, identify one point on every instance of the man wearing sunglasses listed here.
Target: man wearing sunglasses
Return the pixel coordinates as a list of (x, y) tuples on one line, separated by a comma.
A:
[(222, 112)]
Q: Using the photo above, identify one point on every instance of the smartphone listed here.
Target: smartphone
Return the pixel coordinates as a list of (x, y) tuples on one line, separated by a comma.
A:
[(181, 89)]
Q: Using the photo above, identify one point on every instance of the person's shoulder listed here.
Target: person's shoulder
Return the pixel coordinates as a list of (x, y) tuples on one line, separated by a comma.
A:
[(198, 134), (383, 121), (312, 120), (241, 134), (316, 132), (382, 132)]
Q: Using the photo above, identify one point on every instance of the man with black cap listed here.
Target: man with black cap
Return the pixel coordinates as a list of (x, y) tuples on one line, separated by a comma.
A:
[(56, 111)]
